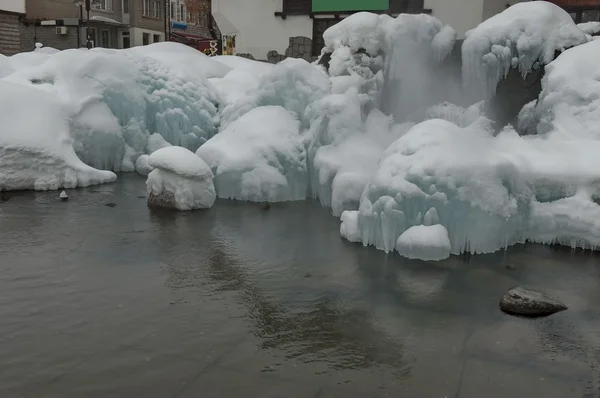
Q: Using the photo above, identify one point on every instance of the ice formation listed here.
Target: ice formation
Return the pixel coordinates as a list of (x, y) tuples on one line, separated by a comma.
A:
[(373, 129), (180, 180), (116, 99), (524, 36), (36, 151), (259, 157)]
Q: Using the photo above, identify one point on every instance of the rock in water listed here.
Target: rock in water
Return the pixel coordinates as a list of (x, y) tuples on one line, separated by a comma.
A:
[(63, 196), (265, 205), (525, 301)]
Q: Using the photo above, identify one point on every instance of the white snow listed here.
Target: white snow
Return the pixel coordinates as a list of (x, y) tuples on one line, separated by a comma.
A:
[(428, 243), (259, 157), (180, 179), (142, 166), (36, 151), (590, 28), (524, 36)]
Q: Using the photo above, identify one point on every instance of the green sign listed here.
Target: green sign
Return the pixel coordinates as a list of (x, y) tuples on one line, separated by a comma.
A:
[(349, 5)]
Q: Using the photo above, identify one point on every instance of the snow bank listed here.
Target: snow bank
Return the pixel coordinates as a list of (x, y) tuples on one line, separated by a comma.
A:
[(524, 36), (259, 157), (180, 180), (36, 151)]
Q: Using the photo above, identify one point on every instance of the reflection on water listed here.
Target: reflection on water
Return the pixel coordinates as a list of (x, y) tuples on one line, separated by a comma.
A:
[(87, 291)]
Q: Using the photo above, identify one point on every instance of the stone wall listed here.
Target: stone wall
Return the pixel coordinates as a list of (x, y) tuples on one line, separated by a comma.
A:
[(9, 34), (47, 36), (300, 47)]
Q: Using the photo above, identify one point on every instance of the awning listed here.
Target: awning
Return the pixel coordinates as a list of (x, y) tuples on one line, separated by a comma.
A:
[(225, 26)]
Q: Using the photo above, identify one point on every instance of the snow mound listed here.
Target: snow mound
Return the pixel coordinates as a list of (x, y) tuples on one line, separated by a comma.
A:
[(589, 28), (36, 151), (428, 243), (292, 84), (569, 104), (524, 36), (180, 180), (259, 157), (255, 68)]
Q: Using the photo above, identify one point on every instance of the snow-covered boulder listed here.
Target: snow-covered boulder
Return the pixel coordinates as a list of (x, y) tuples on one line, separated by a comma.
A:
[(180, 180), (429, 243), (526, 35), (36, 151), (259, 157)]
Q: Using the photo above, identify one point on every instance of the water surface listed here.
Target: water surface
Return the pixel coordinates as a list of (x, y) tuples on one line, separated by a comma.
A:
[(123, 301)]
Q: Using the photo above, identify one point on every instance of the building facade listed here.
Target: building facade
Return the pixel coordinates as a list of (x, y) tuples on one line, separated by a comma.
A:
[(11, 12), (190, 22), (112, 23)]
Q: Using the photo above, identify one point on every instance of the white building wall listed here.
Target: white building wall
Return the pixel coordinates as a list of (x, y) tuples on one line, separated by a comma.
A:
[(258, 29), (137, 36), (462, 15), (13, 6)]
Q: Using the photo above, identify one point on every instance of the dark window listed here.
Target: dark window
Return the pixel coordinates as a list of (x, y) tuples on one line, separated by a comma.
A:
[(93, 36), (126, 6), (156, 39), (146, 39), (297, 6), (590, 16), (126, 42)]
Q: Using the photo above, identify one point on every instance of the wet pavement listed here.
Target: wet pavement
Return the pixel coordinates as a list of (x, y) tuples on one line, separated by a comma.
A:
[(236, 301)]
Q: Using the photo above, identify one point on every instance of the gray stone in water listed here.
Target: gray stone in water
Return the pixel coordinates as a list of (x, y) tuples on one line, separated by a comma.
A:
[(525, 301), (164, 199)]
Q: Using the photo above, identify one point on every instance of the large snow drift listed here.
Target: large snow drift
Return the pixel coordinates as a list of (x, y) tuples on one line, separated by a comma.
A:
[(524, 36), (259, 157), (180, 180), (36, 151)]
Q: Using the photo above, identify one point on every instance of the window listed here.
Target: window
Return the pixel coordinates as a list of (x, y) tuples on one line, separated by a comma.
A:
[(156, 39), (105, 5), (92, 37), (151, 8), (104, 39), (173, 12), (126, 6), (146, 39), (590, 16)]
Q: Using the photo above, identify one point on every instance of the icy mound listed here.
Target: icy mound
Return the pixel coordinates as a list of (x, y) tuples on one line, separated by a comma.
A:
[(292, 84), (36, 151), (476, 191), (259, 157), (524, 36), (117, 99), (589, 28), (255, 68), (180, 180)]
